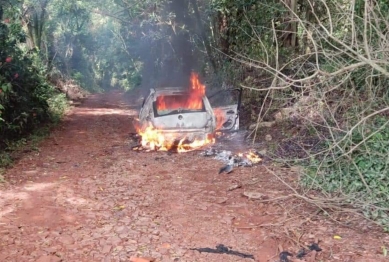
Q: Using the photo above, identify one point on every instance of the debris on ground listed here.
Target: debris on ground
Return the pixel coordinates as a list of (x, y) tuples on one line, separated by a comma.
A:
[(221, 155), (233, 160), (315, 247), (226, 169), (229, 167), (222, 249), (284, 256), (303, 252)]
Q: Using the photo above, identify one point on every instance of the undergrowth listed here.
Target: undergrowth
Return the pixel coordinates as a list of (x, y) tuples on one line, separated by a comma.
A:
[(29, 103), (13, 149), (336, 85), (358, 167)]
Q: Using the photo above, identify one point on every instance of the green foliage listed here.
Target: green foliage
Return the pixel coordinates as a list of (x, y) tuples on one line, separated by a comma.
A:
[(247, 25), (78, 77), (71, 44), (58, 104), (24, 90), (336, 76), (361, 154), (5, 160)]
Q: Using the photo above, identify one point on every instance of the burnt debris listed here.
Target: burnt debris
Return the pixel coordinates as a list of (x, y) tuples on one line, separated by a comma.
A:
[(226, 169), (284, 256), (233, 160), (229, 167), (303, 252), (222, 249), (315, 247)]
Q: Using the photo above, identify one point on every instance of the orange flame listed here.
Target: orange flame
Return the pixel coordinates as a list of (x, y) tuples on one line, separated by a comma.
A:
[(154, 139), (220, 118), (197, 89), (254, 158), (251, 156), (192, 101)]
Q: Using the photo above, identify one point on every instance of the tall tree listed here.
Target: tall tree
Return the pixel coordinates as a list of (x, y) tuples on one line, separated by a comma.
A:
[(34, 17)]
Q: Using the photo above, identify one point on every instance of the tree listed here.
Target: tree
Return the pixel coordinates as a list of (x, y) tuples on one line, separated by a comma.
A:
[(34, 17)]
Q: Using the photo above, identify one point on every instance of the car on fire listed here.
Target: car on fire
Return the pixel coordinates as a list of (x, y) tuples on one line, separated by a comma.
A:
[(188, 113)]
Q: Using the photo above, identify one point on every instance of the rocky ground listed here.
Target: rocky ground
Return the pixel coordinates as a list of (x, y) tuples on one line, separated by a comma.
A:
[(85, 195)]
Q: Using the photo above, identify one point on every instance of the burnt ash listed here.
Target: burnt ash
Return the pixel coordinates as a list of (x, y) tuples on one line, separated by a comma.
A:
[(222, 249), (225, 157)]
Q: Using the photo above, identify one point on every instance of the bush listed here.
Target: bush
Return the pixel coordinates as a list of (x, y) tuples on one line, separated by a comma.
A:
[(27, 99), (58, 104)]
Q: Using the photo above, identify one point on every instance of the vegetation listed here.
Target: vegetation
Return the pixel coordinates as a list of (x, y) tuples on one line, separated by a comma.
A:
[(334, 73), (24, 90), (323, 62)]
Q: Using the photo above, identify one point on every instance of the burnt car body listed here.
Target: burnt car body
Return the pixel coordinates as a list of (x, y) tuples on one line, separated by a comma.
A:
[(226, 105), (168, 110)]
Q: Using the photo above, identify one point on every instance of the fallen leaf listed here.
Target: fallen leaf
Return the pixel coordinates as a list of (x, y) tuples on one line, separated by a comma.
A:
[(337, 237), (119, 207)]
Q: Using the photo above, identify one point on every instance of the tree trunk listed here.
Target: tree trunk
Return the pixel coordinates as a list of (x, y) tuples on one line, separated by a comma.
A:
[(223, 33), (35, 21), (293, 7), (289, 37)]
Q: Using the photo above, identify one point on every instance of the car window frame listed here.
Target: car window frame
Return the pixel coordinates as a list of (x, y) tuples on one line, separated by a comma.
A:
[(175, 112), (239, 102)]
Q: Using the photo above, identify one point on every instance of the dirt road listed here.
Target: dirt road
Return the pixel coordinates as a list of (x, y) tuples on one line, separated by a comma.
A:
[(86, 196)]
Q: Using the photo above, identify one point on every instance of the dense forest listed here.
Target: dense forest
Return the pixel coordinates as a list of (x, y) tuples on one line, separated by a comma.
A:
[(320, 65)]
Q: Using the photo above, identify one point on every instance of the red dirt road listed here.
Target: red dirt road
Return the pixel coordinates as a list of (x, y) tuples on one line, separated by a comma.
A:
[(86, 196)]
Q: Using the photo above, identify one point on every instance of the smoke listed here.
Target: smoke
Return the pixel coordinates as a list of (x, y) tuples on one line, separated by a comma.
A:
[(166, 49)]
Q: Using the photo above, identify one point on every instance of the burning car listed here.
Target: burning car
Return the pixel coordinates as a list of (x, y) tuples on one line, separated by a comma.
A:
[(183, 119)]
